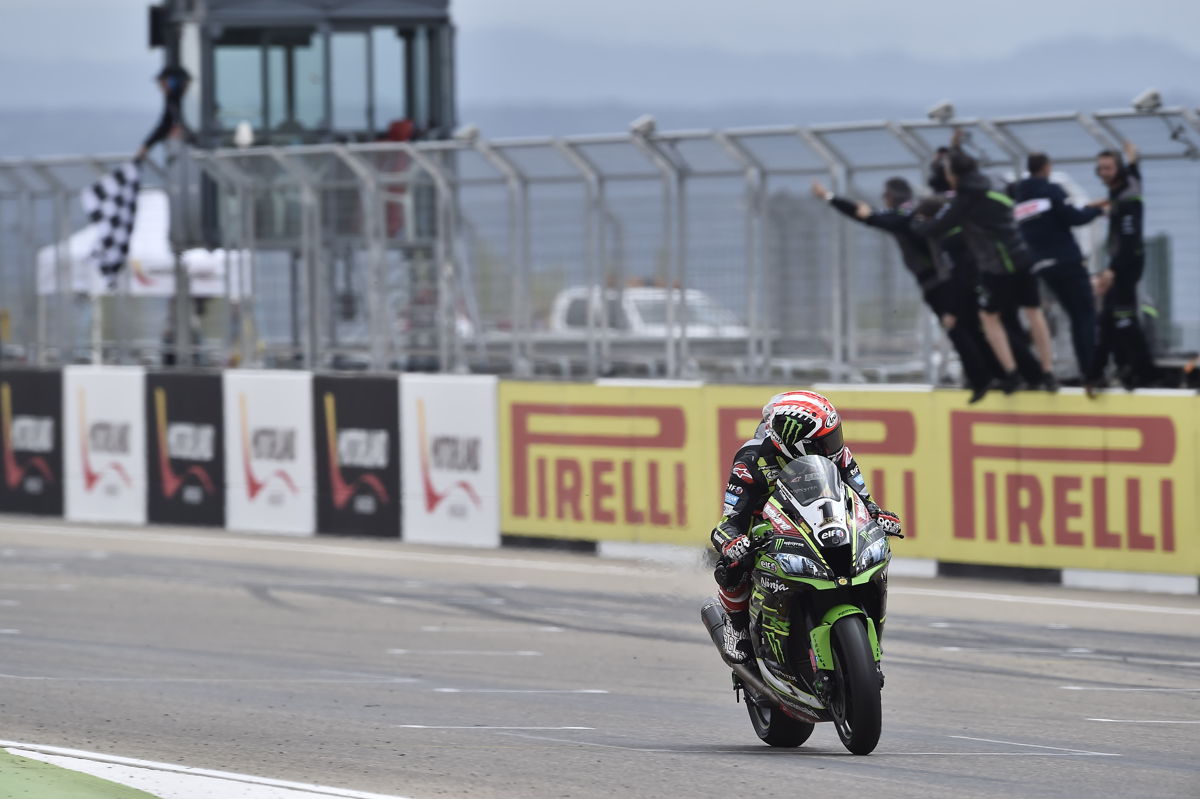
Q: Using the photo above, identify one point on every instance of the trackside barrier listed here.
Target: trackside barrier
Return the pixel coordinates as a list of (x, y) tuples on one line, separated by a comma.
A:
[(31, 413), (270, 471), (450, 460), (185, 459), (104, 442), (1034, 480), (357, 433)]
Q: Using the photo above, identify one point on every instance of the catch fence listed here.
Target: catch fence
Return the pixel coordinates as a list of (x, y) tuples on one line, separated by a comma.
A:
[(681, 255)]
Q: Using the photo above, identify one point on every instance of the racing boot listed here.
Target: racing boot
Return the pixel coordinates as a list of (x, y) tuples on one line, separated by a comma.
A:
[(737, 637)]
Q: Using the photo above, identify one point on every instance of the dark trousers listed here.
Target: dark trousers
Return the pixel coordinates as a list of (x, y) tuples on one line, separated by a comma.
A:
[(1121, 336), (1072, 287), (957, 298)]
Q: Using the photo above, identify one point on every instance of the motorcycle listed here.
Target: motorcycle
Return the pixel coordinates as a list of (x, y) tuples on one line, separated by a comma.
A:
[(817, 607)]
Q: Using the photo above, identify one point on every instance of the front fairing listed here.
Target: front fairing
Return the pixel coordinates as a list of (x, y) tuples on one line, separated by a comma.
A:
[(819, 548), (821, 528)]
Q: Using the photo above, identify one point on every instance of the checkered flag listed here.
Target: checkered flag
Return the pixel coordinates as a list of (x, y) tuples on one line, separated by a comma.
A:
[(111, 205)]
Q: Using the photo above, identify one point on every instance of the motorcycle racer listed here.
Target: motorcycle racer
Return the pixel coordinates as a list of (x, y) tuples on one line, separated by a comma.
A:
[(794, 423)]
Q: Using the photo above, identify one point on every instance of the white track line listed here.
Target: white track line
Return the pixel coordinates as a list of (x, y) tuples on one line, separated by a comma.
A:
[(1036, 746), (1045, 600), (481, 727), (174, 768), (468, 652), (221, 680), (1144, 721), (803, 753), (496, 629), (1123, 689), (519, 691)]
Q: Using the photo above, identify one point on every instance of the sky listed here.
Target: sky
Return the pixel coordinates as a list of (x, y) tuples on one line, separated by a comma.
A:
[(846, 27), (115, 29)]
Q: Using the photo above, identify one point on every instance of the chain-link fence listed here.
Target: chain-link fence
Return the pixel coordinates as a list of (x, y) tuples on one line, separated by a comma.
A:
[(696, 254)]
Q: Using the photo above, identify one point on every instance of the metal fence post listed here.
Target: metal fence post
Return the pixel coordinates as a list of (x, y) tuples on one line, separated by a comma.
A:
[(756, 201), (27, 258), (598, 363), (64, 276), (673, 236), (449, 349), (310, 252), (371, 199), (839, 178), (518, 253)]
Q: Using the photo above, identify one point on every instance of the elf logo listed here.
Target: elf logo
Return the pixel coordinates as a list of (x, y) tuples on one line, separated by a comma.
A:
[(354, 448), (265, 444), (182, 441), (25, 434), (102, 438), (451, 454)]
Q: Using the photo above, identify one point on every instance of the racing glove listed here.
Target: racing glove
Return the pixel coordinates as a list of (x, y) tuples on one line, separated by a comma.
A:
[(730, 568), (888, 521)]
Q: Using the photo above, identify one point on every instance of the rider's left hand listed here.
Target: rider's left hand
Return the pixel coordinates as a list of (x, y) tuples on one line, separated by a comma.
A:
[(887, 520)]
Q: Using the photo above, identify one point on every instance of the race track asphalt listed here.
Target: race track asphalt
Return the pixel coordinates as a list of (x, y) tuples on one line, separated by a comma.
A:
[(431, 672)]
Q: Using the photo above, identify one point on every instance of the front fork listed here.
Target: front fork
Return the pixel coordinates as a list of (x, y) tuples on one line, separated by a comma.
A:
[(820, 651)]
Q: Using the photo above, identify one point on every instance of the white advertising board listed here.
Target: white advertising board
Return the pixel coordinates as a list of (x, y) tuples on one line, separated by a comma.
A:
[(104, 443), (449, 460), (269, 456)]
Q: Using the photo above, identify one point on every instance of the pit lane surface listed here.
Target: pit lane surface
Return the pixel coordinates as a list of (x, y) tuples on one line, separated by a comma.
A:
[(426, 672)]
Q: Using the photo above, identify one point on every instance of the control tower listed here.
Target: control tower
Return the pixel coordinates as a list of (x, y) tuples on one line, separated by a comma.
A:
[(310, 71)]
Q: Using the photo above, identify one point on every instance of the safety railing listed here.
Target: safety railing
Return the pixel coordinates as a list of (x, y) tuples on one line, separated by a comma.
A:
[(690, 254)]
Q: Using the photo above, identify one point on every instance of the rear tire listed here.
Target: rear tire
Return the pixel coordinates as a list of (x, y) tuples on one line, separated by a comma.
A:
[(775, 727), (856, 705)]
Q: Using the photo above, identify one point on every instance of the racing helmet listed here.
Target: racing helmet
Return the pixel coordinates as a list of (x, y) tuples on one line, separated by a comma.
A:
[(804, 423)]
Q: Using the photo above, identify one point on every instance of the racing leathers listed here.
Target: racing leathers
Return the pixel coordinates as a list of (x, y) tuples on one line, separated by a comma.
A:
[(752, 478)]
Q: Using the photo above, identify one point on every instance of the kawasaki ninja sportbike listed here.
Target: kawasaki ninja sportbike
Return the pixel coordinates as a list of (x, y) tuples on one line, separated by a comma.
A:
[(817, 607)]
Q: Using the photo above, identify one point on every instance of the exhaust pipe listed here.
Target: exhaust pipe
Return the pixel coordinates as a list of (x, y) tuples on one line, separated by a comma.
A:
[(713, 616)]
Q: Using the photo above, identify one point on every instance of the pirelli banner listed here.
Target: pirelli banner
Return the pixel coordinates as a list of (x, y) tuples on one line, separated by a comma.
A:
[(1037, 480), (609, 463)]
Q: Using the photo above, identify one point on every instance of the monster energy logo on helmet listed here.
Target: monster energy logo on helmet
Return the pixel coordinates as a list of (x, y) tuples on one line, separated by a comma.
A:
[(789, 428)]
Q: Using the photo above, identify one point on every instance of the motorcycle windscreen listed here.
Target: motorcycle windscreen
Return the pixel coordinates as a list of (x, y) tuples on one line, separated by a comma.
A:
[(812, 478)]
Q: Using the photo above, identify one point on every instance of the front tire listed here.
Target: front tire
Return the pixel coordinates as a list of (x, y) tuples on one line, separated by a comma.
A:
[(775, 727), (856, 705)]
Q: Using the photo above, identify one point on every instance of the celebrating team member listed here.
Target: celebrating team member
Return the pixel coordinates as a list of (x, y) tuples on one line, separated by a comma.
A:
[(1004, 262), (1045, 219), (922, 261), (1120, 331)]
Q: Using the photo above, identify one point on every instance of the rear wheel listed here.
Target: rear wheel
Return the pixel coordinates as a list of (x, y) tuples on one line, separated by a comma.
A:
[(775, 727), (855, 703)]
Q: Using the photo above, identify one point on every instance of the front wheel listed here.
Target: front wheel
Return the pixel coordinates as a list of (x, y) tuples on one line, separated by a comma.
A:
[(775, 727), (855, 703)]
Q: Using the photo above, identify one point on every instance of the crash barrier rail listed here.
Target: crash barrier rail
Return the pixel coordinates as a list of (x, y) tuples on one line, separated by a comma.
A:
[(1035, 480), (515, 257)]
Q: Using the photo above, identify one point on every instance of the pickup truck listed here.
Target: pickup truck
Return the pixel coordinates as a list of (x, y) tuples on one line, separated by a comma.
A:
[(641, 312)]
